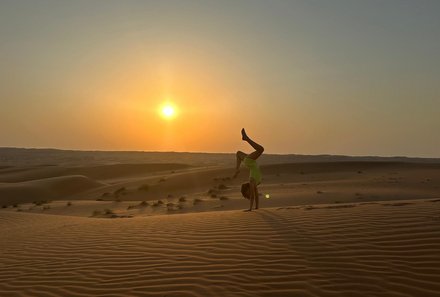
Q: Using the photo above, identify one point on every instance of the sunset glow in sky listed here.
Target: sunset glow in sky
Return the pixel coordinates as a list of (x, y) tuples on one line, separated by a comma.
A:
[(306, 77)]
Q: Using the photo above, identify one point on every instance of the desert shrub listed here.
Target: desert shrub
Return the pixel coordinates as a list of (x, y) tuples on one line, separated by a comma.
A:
[(108, 212), (143, 204), (96, 213), (46, 207), (41, 202), (4, 206), (182, 199), (197, 200), (170, 204), (222, 187), (120, 191), (224, 198), (144, 188), (157, 203), (69, 203), (15, 205)]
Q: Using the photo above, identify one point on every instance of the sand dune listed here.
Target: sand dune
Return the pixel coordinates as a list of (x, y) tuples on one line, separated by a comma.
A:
[(288, 184), (362, 250), (45, 189), (101, 172)]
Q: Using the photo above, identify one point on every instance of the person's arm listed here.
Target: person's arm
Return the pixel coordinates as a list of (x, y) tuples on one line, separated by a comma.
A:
[(251, 196)]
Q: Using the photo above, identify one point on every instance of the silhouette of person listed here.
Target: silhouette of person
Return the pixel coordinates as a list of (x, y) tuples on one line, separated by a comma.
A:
[(250, 190)]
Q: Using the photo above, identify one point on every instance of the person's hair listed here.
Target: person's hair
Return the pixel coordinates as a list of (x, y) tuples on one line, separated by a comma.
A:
[(246, 190)]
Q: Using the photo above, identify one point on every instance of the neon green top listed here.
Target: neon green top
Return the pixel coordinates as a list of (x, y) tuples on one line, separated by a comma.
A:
[(255, 172)]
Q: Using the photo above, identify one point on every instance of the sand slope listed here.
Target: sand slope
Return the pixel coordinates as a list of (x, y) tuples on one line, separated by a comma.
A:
[(45, 189), (381, 249)]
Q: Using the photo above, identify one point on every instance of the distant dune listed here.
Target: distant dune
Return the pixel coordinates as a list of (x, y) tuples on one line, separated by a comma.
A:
[(52, 188), (28, 157)]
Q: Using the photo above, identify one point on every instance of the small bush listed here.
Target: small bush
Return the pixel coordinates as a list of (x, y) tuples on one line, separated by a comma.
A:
[(96, 213), (222, 187), (160, 202), (197, 200), (4, 206), (144, 188), (15, 205), (46, 207), (41, 202), (143, 204), (120, 191), (170, 204), (108, 212), (182, 199)]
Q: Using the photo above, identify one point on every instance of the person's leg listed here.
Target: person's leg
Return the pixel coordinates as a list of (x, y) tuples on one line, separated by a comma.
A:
[(259, 149), (240, 155)]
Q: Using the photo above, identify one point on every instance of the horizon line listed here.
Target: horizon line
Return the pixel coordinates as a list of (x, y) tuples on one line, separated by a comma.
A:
[(200, 152)]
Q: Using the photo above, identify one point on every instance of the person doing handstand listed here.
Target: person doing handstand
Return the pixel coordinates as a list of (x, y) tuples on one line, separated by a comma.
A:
[(250, 190)]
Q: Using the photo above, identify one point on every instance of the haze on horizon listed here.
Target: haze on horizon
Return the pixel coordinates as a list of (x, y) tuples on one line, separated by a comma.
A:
[(306, 77)]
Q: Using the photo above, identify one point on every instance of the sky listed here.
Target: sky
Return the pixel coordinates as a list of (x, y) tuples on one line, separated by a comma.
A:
[(344, 77)]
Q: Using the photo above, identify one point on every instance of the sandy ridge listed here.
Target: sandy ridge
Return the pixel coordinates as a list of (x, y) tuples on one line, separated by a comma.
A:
[(366, 250)]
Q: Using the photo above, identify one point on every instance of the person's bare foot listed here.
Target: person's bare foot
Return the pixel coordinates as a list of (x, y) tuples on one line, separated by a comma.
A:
[(244, 135)]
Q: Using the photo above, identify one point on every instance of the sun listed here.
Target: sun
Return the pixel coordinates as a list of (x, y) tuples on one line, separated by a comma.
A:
[(168, 111)]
